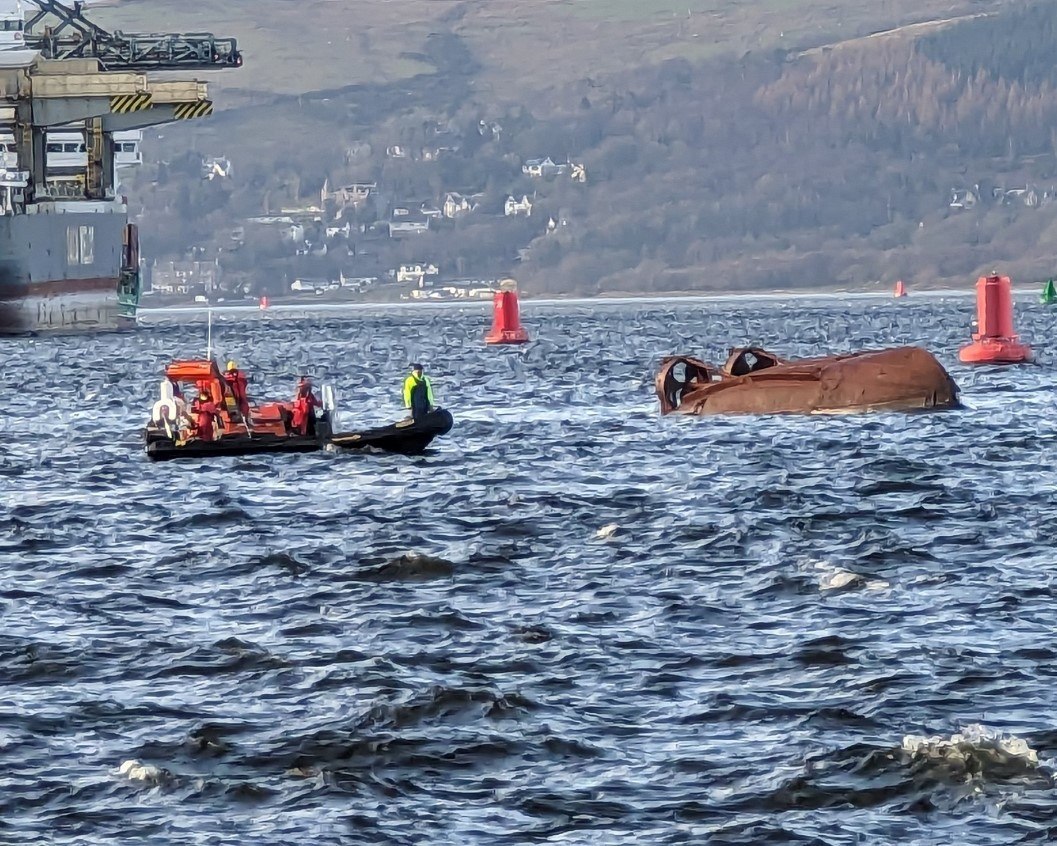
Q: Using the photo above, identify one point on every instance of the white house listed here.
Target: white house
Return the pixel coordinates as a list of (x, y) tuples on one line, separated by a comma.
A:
[(292, 233), (354, 195), (543, 167), (357, 283), (415, 274), (408, 227), (513, 208), (182, 277), (486, 128), (336, 231), (216, 167), (456, 205)]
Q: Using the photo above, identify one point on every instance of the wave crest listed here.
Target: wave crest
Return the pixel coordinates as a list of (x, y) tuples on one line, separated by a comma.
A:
[(975, 752)]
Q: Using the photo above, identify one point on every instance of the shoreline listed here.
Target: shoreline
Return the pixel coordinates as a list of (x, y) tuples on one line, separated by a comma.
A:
[(301, 306)]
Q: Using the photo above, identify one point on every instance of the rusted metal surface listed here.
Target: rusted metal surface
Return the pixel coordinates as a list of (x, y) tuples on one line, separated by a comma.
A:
[(754, 381)]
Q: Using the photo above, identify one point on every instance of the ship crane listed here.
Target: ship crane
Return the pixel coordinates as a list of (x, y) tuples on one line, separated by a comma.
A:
[(69, 257), (59, 31)]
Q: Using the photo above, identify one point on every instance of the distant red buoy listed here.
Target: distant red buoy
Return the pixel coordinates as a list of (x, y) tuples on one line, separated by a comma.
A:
[(264, 302), (994, 342), (901, 289), (506, 322)]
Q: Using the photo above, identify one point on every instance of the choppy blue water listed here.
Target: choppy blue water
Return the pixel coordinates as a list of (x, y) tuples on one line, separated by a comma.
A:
[(572, 622)]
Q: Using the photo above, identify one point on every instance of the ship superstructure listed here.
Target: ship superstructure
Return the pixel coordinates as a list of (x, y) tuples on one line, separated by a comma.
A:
[(74, 100)]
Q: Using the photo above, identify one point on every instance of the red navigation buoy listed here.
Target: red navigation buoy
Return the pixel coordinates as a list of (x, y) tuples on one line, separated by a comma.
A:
[(994, 342), (264, 302), (901, 289), (506, 322)]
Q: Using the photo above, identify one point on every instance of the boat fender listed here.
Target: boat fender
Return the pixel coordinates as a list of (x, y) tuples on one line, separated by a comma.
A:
[(168, 408), (161, 412)]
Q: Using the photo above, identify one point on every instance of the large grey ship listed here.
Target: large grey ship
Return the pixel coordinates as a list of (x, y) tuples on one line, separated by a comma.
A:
[(74, 99)]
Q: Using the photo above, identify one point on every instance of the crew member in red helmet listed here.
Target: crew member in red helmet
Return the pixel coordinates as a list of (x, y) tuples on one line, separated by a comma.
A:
[(204, 417)]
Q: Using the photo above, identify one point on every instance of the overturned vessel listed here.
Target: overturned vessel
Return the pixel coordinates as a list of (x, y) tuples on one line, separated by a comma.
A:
[(754, 381)]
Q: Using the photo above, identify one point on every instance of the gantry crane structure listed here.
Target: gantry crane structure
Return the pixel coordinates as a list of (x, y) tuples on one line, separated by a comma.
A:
[(59, 31), (79, 73)]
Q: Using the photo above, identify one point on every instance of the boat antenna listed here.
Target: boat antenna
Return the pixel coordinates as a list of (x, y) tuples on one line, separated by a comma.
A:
[(209, 334)]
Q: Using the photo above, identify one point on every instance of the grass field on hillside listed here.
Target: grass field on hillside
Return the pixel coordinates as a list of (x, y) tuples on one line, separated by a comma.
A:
[(638, 10), (295, 47), (523, 45)]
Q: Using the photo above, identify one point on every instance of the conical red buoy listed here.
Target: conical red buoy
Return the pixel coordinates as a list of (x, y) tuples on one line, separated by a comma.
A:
[(506, 322), (901, 289), (264, 302), (994, 342)]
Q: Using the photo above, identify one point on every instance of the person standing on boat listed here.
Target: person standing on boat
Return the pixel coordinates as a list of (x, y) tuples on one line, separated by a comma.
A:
[(204, 416), (305, 403), (237, 383), (418, 393)]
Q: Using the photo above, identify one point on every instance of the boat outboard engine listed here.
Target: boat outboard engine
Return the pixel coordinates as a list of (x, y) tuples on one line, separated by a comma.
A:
[(330, 407)]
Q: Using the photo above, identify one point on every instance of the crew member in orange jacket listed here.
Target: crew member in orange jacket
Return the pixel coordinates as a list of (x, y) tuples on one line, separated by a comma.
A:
[(237, 383), (305, 403), (204, 416)]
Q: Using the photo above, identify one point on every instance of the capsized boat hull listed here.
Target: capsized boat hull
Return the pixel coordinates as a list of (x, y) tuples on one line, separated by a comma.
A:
[(754, 381), (410, 438)]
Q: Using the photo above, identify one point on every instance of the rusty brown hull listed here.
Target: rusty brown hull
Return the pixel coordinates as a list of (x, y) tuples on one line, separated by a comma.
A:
[(899, 379)]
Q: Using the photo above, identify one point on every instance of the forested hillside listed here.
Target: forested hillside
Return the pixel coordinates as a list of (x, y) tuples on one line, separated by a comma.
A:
[(928, 154)]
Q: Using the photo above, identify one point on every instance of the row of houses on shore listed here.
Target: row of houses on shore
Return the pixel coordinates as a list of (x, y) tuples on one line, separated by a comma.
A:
[(352, 220), (203, 278), (177, 278), (1031, 196), (423, 278)]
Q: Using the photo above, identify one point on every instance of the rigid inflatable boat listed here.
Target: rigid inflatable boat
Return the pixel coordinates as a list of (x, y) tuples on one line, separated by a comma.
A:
[(265, 427)]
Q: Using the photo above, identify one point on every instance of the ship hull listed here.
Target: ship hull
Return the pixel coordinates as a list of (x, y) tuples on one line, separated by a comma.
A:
[(89, 305), (60, 267)]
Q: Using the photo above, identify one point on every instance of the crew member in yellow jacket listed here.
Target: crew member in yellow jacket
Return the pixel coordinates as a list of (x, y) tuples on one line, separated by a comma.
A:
[(418, 393)]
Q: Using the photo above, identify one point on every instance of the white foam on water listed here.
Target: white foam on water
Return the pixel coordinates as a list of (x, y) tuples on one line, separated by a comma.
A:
[(135, 771), (831, 577), (974, 739), (838, 579)]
